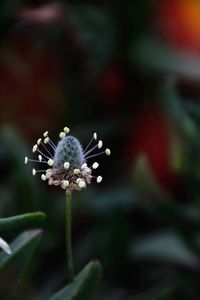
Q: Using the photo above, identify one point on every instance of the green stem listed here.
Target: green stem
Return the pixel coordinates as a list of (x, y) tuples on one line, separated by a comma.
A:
[(68, 236)]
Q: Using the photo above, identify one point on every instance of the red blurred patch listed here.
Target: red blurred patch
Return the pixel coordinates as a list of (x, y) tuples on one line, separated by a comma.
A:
[(31, 89), (113, 84), (150, 135)]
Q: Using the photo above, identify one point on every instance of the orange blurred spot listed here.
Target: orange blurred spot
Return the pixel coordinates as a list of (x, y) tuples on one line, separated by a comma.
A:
[(178, 21)]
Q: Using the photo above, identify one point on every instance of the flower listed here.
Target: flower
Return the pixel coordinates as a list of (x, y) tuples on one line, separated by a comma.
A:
[(67, 161), (5, 246)]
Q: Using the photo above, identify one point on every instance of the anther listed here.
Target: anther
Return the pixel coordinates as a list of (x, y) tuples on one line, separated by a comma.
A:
[(48, 173), (66, 165), (95, 135), (62, 134), (26, 160), (50, 162), (99, 179), (107, 152), (95, 165), (45, 134), (82, 184), (65, 183), (39, 141), (40, 157), (33, 172), (100, 144), (43, 177), (66, 129), (78, 180), (76, 171), (34, 148), (46, 140), (84, 166)]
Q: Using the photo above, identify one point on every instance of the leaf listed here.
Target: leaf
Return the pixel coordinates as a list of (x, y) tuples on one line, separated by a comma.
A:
[(122, 198), (144, 179), (13, 225), (152, 55), (162, 292), (165, 247), (13, 266), (84, 284)]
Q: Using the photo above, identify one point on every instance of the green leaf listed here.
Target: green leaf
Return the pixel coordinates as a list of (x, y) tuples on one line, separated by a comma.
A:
[(162, 292), (155, 56), (13, 266), (14, 225), (104, 203), (166, 247), (84, 284)]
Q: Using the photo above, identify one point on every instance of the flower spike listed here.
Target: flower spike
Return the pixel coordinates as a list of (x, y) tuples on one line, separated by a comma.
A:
[(67, 162)]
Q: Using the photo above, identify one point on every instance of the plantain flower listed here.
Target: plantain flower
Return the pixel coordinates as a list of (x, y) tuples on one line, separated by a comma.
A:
[(67, 163)]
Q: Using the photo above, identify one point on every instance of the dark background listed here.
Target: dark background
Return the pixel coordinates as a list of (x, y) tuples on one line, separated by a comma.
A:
[(129, 70)]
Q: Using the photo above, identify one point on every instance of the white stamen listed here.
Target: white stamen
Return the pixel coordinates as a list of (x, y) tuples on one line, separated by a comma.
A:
[(107, 152), (66, 129), (53, 146), (62, 134), (43, 177), (50, 154), (95, 135), (84, 166), (33, 172), (66, 165), (46, 140), (100, 144), (82, 184), (89, 151), (76, 171), (99, 179), (5, 246), (37, 161), (45, 134), (95, 165), (47, 157), (50, 162), (97, 154), (26, 160), (65, 183), (34, 148), (39, 141), (40, 157)]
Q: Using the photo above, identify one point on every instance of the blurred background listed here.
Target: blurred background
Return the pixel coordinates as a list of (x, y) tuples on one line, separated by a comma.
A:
[(129, 70)]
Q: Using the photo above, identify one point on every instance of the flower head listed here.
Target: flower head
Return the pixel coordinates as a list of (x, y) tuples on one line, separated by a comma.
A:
[(67, 162)]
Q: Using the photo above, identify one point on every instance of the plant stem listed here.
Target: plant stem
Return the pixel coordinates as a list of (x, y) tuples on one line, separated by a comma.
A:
[(68, 236)]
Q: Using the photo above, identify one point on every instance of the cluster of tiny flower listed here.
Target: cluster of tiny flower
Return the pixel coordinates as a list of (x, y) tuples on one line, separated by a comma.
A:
[(67, 161)]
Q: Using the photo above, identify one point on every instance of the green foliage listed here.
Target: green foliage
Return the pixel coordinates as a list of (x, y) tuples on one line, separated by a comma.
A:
[(13, 267), (166, 247), (155, 57), (13, 225), (83, 285)]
